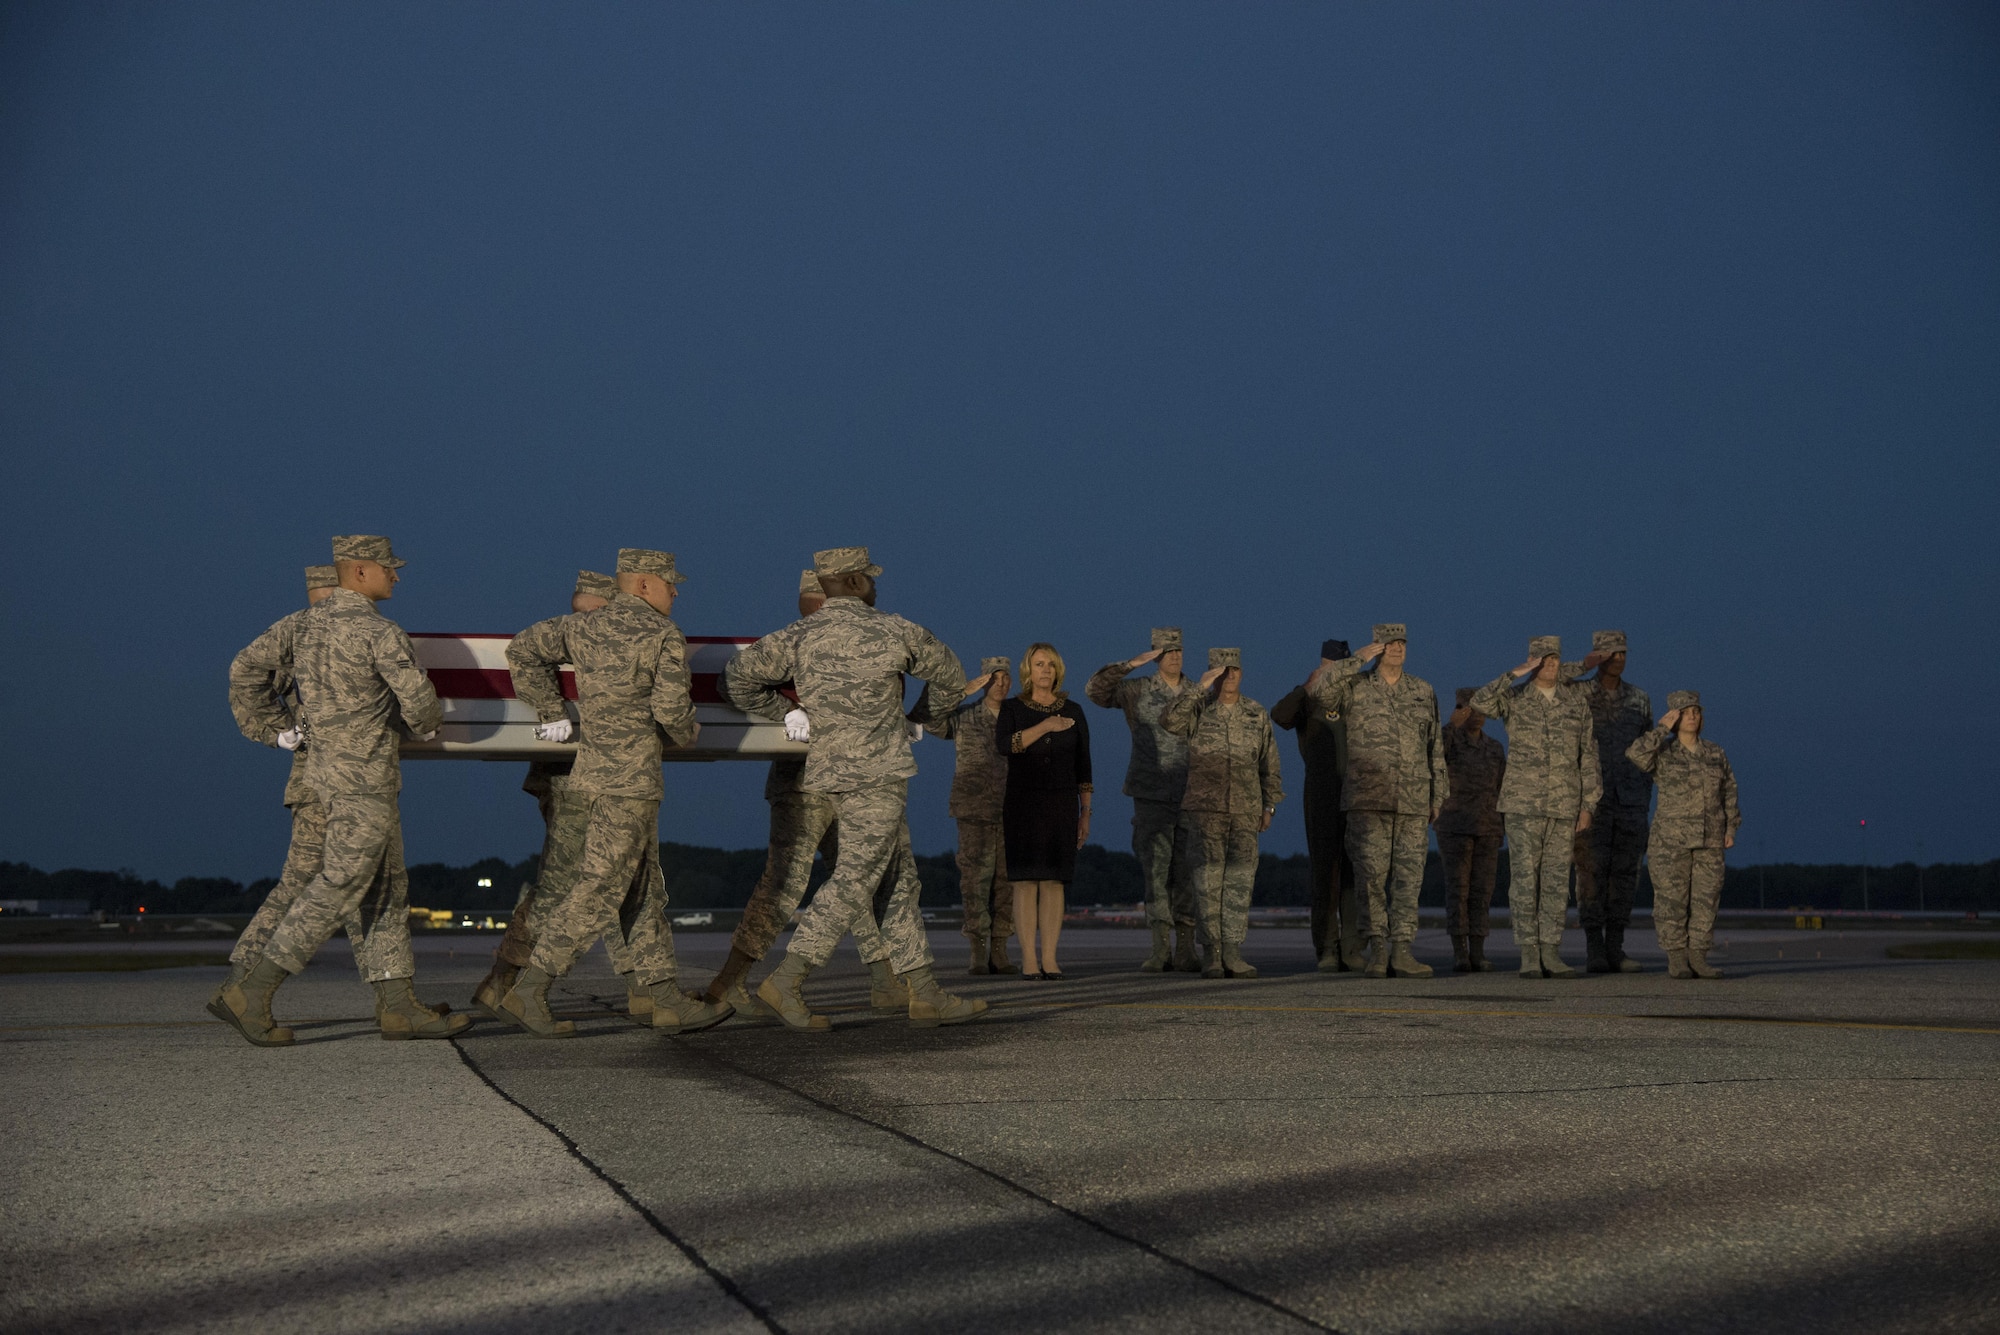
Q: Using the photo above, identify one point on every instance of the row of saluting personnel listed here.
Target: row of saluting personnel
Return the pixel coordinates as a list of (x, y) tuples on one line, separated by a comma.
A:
[(336, 683)]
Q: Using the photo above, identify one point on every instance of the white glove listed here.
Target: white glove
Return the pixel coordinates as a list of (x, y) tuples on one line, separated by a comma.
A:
[(427, 736), (798, 728), (916, 733), (558, 731), (288, 740)]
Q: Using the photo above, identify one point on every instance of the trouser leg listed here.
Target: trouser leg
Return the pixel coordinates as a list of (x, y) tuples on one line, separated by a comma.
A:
[(619, 888), (1673, 875), (359, 828), (1322, 855), (1704, 882), (1207, 849), (1589, 850), (1618, 865), (871, 825), (1239, 879), (1455, 851), (1525, 835), (302, 862), (1349, 894), (900, 878), (1371, 844), (1484, 866), (564, 821), (1553, 903), (979, 857), (1410, 842), (379, 927), (1155, 839), (800, 825)]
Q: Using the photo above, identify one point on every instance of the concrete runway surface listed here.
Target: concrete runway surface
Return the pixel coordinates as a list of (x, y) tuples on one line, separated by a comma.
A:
[(1812, 1144)]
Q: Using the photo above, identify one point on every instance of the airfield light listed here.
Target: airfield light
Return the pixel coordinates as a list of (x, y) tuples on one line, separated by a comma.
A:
[(486, 883), (142, 908)]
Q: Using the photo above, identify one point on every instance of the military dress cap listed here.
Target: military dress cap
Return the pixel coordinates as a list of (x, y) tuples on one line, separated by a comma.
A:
[(1225, 658), (646, 561), (365, 547), (809, 585), (1544, 645), (1684, 700), (844, 561), (1607, 642), (1386, 631), (321, 577), (1000, 664), (1334, 650), (591, 584), (1166, 639), (1465, 695)]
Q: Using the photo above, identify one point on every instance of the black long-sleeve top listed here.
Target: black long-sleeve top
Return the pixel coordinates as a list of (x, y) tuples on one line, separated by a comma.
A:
[(1058, 761)]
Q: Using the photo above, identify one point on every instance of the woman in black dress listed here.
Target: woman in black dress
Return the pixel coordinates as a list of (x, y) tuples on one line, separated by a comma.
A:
[(1046, 817)]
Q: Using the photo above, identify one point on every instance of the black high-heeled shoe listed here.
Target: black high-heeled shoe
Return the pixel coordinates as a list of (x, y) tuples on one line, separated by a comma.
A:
[(1031, 978)]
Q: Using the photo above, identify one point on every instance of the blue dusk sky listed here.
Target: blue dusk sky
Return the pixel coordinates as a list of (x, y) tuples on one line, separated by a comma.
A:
[(1268, 320)]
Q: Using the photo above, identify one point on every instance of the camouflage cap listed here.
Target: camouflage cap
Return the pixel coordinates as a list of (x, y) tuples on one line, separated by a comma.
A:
[(1544, 645), (1684, 700), (1607, 641), (591, 584), (1225, 658), (1166, 639), (1385, 631), (366, 547), (1465, 695), (321, 577), (809, 585), (844, 561), (1000, 664), (646, 561)]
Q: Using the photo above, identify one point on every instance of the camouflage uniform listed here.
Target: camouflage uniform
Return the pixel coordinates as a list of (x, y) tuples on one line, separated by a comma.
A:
[(1469, 830), (1154, 780), (1607, 854), (1697, 812), (978, 789), (1551, 777), (847, 662), (356, 670), (1395, 779), (260, 686), (1232, 783), (802, 824), (633, 697), (1336, 910)]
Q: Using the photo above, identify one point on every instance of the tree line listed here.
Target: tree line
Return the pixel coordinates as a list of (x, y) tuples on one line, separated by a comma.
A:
[(710, 878)]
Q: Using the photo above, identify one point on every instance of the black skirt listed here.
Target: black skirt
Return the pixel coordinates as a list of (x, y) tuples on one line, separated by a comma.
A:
[(1039, 828)]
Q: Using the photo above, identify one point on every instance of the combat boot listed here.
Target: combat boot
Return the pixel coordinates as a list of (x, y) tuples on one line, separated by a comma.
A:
[(931, 1005), (982, 959), (498, 981), (1475, 951), (246, 1006), (997, 957), (1614, 951), (1677, 964), (1378, 958), (1233, 962), (1531, 960), (1162, 957), (887, 994), (401, 1015), (1405, 965), (526, 1006), (1552, 963), (1461, 955), (783, 994), (1596, 960), (1184, 956), (1352, 958), (1698, 965), (638, 1000), (675, 1012), (1329, 960), (1211, 962)]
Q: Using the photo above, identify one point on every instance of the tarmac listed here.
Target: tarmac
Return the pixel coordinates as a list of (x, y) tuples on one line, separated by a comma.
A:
[(1811, 1144)]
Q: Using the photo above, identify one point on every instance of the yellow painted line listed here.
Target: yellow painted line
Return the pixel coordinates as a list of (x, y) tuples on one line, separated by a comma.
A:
[(1522, 1015)]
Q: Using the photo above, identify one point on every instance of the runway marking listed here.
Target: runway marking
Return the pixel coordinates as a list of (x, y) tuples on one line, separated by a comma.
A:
[(1518, 1015)]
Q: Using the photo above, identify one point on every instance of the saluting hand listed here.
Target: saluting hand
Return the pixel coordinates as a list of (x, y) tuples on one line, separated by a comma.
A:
[(1149, 656), (1593, 658), (1459, 716), (977, 684), (1210, 677), (1369, 652), (1528, 668), (1669, 719)]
